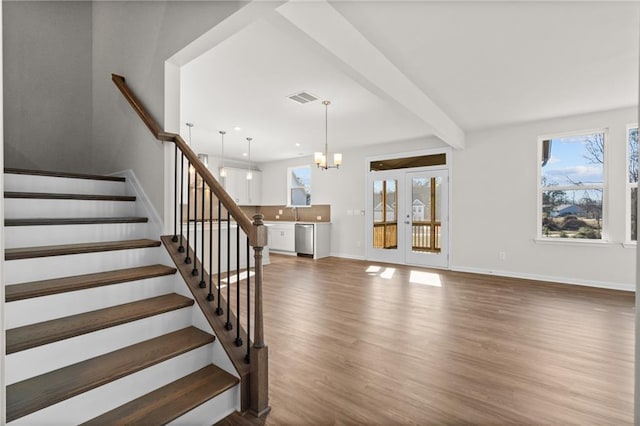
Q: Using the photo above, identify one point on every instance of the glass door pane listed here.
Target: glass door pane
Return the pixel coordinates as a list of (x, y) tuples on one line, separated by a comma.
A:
[(385, 223), (424, 220)]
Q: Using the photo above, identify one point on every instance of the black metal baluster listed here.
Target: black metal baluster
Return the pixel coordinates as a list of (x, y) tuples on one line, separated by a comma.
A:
[(238, 338), (181, 246), (248, 357), (219, 310), (194, 271), (203, 284), (175, 194), (228, 324), (188, 259), (210, 295)]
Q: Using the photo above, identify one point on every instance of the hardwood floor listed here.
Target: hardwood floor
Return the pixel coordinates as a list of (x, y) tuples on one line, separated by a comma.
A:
[(354, 342)]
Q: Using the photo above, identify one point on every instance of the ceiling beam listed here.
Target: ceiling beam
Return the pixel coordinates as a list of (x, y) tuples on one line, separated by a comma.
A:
[(235, 23), (367, 65)]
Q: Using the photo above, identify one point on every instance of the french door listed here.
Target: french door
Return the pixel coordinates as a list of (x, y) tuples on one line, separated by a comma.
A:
[(408, 217)]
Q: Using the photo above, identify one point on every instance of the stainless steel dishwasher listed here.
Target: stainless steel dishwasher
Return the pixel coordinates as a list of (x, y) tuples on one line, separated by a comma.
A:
[(304, 239)]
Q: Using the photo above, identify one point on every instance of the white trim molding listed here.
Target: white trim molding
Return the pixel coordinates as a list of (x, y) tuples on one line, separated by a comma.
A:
[(144, 207), (547, 278)]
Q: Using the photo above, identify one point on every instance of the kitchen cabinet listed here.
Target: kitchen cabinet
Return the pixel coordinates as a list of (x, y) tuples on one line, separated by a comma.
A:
[(282, 237), (244, 192)]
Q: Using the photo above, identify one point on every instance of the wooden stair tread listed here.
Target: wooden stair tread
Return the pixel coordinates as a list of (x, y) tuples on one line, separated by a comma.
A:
[(42, 333), (38, 392), (32, 289), (74, 221), (63, 174), (171, 401), (65, 249), (61, 196)]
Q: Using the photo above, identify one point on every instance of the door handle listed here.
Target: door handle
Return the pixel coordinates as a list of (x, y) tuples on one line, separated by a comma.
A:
[(407, 222)]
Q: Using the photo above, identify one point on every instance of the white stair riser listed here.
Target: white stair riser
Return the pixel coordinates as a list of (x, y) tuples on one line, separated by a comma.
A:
[(32, 362), (29, 183), (43, 268), (45, 308), (107, 397), (44, 235), (25, 208), (213, 410)]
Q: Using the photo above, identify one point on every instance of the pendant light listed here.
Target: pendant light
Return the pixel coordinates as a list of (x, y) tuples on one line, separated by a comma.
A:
[(250, 171), (192, 170), (321, 158), (223, 172)]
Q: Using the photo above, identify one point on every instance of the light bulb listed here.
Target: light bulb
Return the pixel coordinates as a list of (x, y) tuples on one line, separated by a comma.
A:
[(317, 157), (337, 159), (249, 175), (223, 172)]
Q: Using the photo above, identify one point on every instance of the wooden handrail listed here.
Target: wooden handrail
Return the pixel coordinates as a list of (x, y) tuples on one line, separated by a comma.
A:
[(256, 231), (241, 218)]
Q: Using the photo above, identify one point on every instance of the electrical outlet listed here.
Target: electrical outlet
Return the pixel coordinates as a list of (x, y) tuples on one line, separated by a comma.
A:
[(278, 216), (318, 217), (280, 211), (502, 255)]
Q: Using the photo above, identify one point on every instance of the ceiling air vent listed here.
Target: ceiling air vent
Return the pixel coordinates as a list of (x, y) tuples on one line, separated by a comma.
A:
[(302, 97)]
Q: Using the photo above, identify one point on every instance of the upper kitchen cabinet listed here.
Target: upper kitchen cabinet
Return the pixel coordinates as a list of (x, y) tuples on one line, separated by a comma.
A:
[(245, 192)]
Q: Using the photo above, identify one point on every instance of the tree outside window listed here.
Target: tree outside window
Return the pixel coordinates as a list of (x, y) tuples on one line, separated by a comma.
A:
[(572, 186)]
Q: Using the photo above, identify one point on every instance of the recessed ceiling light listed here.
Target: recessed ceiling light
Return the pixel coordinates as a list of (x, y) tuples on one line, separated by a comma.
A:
[(237, 128), (297, 144), (244, 154)]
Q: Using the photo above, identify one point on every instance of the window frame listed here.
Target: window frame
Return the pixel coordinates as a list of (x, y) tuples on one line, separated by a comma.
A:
[(628, 187), (604, 232), (290, 187)]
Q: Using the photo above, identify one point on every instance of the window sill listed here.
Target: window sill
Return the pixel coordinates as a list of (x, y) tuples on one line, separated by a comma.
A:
[(574, 242), (630, 244)]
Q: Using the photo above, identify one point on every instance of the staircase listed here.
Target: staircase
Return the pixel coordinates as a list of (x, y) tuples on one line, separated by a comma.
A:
[(98, 328)]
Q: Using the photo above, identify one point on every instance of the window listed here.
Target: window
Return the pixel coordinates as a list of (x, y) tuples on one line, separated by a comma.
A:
[(572, 186), (632, 182), (299, 186)]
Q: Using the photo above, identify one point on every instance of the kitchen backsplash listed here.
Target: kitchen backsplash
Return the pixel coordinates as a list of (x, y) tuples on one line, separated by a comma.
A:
[(305, 214)]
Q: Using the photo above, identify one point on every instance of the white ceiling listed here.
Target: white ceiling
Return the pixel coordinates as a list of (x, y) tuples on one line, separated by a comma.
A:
[(483, 65)]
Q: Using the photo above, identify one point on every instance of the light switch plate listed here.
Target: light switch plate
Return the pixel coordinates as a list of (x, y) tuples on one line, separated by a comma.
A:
[(277, 217), (280, 211), (318, 217)]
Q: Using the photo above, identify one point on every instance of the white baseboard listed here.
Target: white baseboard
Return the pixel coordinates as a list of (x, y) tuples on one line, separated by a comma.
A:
[(547, 278), (347, 256), (144, 207)]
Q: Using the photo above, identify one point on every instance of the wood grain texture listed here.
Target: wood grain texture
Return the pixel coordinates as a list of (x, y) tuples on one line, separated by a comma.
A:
[(62, 174), (355, 342), (238, 214), (74, 221), (42, 333), (226, 338), (65, 249), (31, 289), (171, 401), (60, 196), (47, 389)]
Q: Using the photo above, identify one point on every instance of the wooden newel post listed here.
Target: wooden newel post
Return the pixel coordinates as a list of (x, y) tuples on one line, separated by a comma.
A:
[(259, 376)]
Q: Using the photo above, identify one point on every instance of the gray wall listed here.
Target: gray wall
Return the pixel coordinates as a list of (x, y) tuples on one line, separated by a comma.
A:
[(47, 84), (134, 39)]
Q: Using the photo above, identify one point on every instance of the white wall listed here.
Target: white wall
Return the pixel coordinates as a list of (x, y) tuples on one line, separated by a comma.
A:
[(134, 39), (47, 80), (494, 206), (343, 189)]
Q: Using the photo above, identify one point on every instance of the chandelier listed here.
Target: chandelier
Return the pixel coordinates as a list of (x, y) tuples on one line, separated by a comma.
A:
[(321, 158)]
